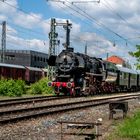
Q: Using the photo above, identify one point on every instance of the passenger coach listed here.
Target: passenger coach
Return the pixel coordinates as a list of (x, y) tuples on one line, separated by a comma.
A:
[(128, 79)]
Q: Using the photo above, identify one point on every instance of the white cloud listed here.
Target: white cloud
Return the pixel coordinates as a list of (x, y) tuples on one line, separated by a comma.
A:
[(129, 10), (108, 12), (97, 44), (10, 30), (29, 21), (6, 9), (23, 44), (2, 17)]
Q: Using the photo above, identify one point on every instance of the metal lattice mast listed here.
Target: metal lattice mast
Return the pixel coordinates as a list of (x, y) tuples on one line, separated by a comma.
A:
[(52, 44), (3, 42)]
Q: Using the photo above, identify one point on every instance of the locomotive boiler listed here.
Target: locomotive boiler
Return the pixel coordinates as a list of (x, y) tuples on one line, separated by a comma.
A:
[(78, 73)]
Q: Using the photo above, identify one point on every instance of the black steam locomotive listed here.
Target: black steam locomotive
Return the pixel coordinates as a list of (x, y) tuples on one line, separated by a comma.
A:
[(78, 74)]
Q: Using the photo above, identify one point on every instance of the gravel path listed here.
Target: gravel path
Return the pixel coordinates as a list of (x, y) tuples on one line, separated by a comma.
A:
[(46, 128)]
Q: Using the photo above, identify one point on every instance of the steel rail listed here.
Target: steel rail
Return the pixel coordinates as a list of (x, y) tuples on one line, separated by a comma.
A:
[(23, 98), (31, 100), (64, 107), (56, 105)]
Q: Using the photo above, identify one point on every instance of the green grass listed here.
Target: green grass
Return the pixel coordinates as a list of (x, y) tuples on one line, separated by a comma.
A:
[(129, 129)]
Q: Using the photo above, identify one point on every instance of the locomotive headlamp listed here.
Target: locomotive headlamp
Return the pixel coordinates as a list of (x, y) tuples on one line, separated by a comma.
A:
[(65, 56), (69, 85), (49, 84), (53, 79)]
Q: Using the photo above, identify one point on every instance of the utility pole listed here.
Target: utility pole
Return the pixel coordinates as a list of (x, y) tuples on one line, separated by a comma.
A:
[(86, 49), (52, 44), (3, 42), (107, 55)]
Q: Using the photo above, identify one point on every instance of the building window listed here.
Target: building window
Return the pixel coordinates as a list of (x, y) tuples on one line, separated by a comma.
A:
[(34, 58)]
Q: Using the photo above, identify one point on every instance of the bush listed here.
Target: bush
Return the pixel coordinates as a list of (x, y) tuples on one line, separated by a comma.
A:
[(41, 87), (36, 89), (12, 88)]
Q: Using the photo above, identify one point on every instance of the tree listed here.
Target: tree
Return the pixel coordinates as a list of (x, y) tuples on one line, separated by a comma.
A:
[(136, 54)]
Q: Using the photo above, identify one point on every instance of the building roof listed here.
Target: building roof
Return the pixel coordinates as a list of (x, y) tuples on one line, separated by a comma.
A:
[(45, 70), (116, 60), (127, 70), (11, 65), (25, 51), (34, 69)]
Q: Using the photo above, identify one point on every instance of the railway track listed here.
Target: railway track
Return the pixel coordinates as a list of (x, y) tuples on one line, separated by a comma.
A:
[(29, 100), (16, 101), (26, 113), (24, 98)]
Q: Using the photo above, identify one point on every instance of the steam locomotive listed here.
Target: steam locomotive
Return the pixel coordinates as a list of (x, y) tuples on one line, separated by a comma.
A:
[(78, 74)]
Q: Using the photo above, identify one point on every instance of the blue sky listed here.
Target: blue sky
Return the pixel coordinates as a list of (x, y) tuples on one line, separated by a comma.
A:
[(100, 25)]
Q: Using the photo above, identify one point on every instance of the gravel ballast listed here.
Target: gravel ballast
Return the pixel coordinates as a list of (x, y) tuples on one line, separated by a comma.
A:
[(47, 128)]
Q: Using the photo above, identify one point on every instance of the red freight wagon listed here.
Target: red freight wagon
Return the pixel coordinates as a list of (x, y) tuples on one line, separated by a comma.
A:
[(10, 71)]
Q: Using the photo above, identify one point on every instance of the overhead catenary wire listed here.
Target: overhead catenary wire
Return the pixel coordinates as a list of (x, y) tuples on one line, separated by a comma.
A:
[(75, 11), (33, 15), (91, 18), (48, 23), (100, 23), (110, 8), (19, 9), (81, 14), (23, 11), (77, 38), (22, 30), (36, 17), (19, 38), (87, 1), (26, 30)]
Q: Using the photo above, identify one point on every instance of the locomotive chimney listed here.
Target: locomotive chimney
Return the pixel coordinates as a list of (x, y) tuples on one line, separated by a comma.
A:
[(67, 27)]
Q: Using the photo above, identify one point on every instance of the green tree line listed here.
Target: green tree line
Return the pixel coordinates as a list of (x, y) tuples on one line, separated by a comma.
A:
[(136, 54)]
